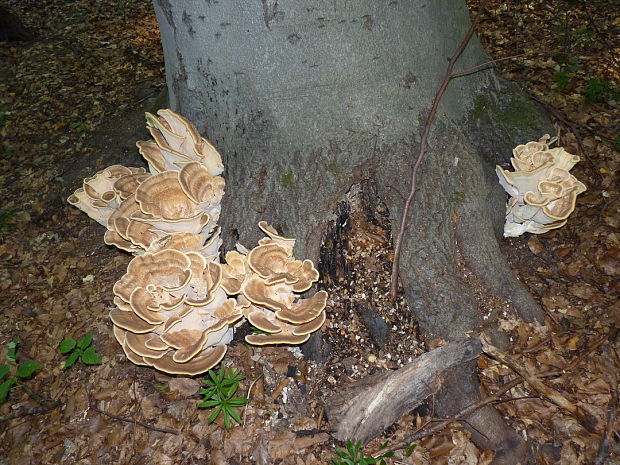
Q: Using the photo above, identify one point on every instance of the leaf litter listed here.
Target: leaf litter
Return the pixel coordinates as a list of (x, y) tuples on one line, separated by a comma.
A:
[(96, 61)]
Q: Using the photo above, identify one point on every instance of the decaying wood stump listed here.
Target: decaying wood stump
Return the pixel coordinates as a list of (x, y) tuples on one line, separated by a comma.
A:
[(363, 410)]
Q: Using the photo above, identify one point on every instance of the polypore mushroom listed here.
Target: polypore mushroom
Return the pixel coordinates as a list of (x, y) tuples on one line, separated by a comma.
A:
[(161, 207), (187, 242), (235, 270), (268, 280), (178, 142), (277, 331), (101, 194), (162, 196), (172, 312), (183, 194), (173, 306), (275, 238), (543, 192)]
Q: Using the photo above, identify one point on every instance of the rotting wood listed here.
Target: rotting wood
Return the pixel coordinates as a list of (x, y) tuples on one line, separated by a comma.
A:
[(363, 410), (433, 426)]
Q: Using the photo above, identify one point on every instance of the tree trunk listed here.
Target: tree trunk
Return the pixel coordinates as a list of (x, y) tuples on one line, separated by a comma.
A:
[(11, 27), (305, 99)]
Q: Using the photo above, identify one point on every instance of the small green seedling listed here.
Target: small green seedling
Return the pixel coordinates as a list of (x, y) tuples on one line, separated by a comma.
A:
[(4, 115), (355, 456), (219, 395), (79, 126), (6, 152), (598, 90), (564, 77), (583, 36), (22, 370), (409, 450), (256, 330), (7, 219), (81, 349)]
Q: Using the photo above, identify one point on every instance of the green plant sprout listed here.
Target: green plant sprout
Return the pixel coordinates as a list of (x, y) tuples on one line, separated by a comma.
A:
[(353, 455), (219, 395), (4, 115), (564, 77), (598, 90), (22, 370), (79, 126), (583, 36), (7, 218), (256, 330), (6, 152), (409, 450), (81, 349)]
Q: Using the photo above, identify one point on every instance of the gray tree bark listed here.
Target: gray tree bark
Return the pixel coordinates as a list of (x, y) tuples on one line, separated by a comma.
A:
[(306, 98)]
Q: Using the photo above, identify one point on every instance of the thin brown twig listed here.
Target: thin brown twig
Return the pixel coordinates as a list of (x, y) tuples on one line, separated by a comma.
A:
[(93, 407), (45, 405), (249, 392), (25, 412), (466, 421), (514, 399), (540, 343), (482, 66), (423, 142), (603, 449)]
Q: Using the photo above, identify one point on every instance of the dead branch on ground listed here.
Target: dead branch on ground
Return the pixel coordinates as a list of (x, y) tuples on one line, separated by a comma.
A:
[(440, 424), (50, 405), (93, 407), (363, 410)]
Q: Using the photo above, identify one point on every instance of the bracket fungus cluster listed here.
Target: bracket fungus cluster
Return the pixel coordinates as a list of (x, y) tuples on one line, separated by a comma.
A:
[(542, 191), (177, 305), (267, 281)]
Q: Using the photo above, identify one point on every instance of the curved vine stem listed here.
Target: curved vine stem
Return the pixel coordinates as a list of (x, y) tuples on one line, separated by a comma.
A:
[(423, 142)]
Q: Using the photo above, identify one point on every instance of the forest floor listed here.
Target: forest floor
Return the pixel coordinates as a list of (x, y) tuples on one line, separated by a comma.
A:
[(71, 102)]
